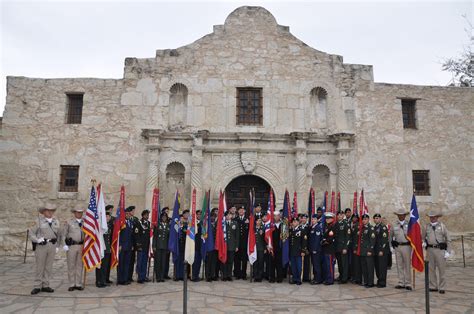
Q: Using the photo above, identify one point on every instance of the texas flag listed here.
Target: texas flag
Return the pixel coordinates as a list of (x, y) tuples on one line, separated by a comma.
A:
[(414, 236)]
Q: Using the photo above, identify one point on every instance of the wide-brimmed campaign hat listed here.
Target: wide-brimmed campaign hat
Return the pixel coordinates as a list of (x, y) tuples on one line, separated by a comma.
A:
[(78, 209), (434, 213), (401, 211), (47, 206)]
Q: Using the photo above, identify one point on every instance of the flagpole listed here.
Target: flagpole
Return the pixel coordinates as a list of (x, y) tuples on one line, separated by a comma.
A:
[(185, 288), (414, 278), (84, 280)]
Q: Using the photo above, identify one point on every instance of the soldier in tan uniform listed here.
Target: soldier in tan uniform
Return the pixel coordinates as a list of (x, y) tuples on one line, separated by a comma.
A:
[(438, 246), (45, 235), (73, 243), (402, 248)]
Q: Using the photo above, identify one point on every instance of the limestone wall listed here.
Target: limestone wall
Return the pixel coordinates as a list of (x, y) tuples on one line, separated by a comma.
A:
[(386, 153)]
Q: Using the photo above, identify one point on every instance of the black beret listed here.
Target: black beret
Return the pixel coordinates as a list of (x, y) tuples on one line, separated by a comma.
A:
[(339, 212), (165, 208), (185, 211), (348, 210), (109, 207), (129, 208), (146, 211), (304, 215), (365, 216), (377, 215), (319, 209)]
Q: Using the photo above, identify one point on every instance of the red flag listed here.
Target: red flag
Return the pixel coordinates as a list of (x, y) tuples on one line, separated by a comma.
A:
[(119, 224), (361, 212), (354, 206), (252, 242), (221, 245), (333, 205), (295, 206), (414, 236), (154, 214)]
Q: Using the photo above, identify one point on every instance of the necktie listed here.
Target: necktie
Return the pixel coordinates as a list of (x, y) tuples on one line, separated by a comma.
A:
[(80, 225)]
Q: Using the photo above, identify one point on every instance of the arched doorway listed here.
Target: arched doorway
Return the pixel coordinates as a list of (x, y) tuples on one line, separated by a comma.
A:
[(237, 191)]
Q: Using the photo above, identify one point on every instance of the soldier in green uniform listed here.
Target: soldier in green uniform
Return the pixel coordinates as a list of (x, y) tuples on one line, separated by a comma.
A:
[(380, 251), (367, 243), (232, 240), (161, 236), (134, 223), (261, 248), (343, 238)]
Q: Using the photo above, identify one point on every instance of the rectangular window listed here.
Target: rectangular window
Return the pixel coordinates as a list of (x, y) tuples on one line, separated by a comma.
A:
[(74, 108), (408, 111), (69, 178), (249, 106), (421, 182)]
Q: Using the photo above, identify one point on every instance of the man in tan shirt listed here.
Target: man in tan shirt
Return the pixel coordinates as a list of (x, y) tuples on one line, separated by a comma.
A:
[(438, 246), (73, 243), (402, 248), (45, 234)]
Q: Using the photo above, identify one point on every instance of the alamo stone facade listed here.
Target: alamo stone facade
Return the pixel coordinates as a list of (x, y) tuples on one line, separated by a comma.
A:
[(173, 122)]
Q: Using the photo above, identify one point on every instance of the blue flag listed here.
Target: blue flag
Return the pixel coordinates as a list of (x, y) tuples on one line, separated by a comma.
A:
[(285, 246), (173, 241), (210, 244)]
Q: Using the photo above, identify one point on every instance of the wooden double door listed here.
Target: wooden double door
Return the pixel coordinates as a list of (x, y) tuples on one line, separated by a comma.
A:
[(238, 192)]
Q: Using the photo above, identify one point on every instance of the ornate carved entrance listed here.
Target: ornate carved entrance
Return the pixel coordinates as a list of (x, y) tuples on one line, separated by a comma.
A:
[(237, 191)]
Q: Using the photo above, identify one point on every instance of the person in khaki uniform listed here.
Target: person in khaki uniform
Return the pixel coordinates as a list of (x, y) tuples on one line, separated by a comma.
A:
[(402, 248), (438, 246), (45, 235), (73, 243)]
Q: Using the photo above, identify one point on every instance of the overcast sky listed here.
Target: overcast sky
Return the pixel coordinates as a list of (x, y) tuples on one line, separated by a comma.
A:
[(405, 41)]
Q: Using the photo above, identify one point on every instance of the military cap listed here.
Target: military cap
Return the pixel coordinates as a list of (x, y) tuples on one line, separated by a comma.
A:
[(78, 209), (304, 215), (144, 212), (129, 209), (365, 216), (185, 211), (401, 211), (319, 209), (165, 209), (340, 212), (227, 213), (109, 207), (198, 211), (314, 216), (329, 215), (434, 213), (276, 213), (48, 206), (377, 215)]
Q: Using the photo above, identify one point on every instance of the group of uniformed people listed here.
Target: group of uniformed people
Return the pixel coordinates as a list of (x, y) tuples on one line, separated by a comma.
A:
[(359, 249)]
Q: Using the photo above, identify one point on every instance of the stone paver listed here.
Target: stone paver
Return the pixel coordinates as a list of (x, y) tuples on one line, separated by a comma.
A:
[(220, 297)]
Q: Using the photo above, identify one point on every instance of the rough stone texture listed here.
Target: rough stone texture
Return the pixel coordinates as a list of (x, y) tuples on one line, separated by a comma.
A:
[(131, 132)]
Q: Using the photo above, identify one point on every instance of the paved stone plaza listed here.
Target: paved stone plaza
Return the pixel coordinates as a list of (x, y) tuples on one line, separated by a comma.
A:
[(237, 296)]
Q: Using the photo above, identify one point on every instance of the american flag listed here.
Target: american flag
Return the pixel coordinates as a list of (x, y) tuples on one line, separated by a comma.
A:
[(91, 254)]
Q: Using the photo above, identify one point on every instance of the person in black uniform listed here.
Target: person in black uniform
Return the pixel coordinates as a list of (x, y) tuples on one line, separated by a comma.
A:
[(211, 256), (305, 226), (179, 266), (196, 268), (348, 219), (356, 271), (142, 245), (241, 257), (329, 249), (168, 253), (161, 236), (102, 274), (367, 243), (232, 240), (276, 262), (343, 234), (135, 222), (258, 212), (261, 248), (315, 248), (380, 251), (297, 251)]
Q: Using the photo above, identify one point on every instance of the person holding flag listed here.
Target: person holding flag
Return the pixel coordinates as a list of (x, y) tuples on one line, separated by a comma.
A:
[(284, 234), (232, 243), (102, 274), (161, 236), (328, 244), (402, 248), (125, 250), (142, 245), (438, 246), (211, 252), (173, 243)]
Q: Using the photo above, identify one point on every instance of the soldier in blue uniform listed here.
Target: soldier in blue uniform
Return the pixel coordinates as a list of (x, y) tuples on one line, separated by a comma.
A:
[(297, 251), (142, 245), (125, 250), (179, 266), (211, 256), (315, 248), (329, 249)]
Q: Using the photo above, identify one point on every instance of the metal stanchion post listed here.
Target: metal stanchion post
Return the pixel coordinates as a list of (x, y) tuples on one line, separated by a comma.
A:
[(185, 288), (463, 256), (427, 288), (26, 245)]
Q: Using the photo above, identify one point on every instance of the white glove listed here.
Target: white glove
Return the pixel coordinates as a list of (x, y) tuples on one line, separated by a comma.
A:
[(424, 245), (40, 240), (57, 250), (446, 254), (66, 248)]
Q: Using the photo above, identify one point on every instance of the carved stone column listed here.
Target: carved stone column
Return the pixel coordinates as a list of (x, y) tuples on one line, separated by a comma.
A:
[(196, 166), (343, 180), (152, 176), (300, 163)]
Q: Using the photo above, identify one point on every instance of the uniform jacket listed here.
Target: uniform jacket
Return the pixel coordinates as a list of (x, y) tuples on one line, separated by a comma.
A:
[(46, 230), (141, 235), (315, 237), (343, 235), (434, 235), (298, 241), (161, 236), (232, 234), (72, 232), (381, 238), (243, 225), (367, 240), (328, 242)]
